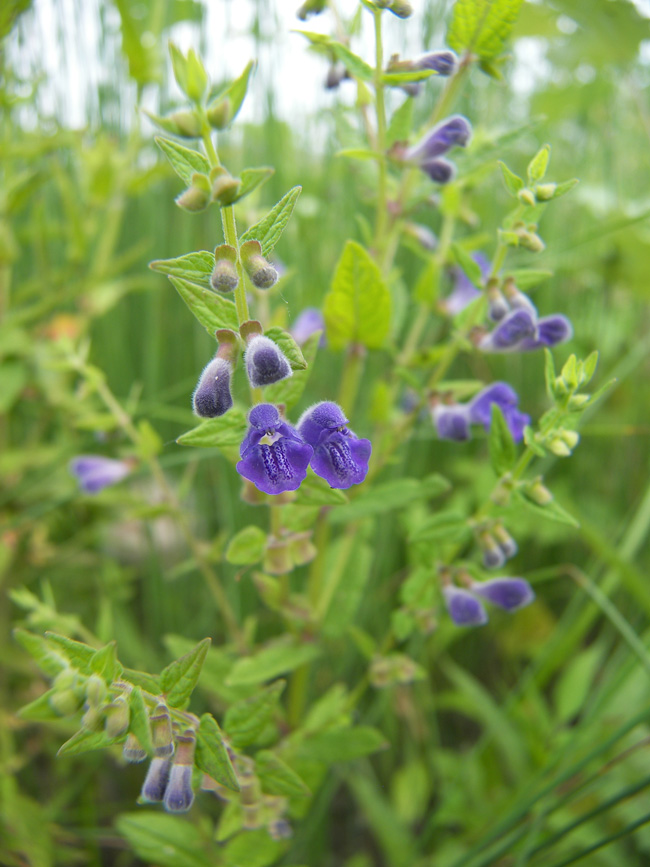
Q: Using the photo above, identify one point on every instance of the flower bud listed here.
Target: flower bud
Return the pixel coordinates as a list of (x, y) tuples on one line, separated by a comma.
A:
[(132, 752), (224, 188), (93, 719), (155, 784), (335, 75), (570, 437), (558, 447), (442, 62), (497, 304), (263, 275), (511, 594), (505, 541), (463, 607), (530, 241), (302, 549), (117, 718), (578, 401), (493, 556), (224, 277), (422, 234), (96, 691), (65, 701), (212, 396), (218, 113), (277, 558), (526, 197), (179, 796), (265, 362), (197, 196), (538, 493), (187, 122), (280, 829), (440, 170), (161, 733), (544, 192), (401, 8), (310, 7), (517, 299)]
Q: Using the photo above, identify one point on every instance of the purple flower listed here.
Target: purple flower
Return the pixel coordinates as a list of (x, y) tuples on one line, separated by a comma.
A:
[(455, 131), (464, 608), (442, 62), (464, 291), (522, 331), (94, 473), (507, 593), (212, 396), (517, 326), (452, 421), (309, 321), (155, 783), (550, 331), (274, 457), (179, 796), (440, 171), (265, 362), (340, 457)]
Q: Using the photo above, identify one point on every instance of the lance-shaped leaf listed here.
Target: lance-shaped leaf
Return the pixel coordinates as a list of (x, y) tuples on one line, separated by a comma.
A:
[(551, 510), (271, 661), (388, 496), (357, 308), (503, 452), (195, 267), (180, 677), (170, 841), (85, 740), (211, 754), (247, 546), (224, 431), (277, 778), (46, 657), (235, 92), (184, 161), (269, 229), (251, 179), (104, 662), (139, 720), (343, 745), (76, 652), (482, 26), (212, 310), (41, 709), (246, 720)]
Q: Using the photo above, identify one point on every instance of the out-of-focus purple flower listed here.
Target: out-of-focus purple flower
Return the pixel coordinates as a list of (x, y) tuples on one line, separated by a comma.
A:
[(464, 608), (521, 330), (212, 396), (265, 362), (505, 397), (442, 62), (422, 234), (507, 593), (274, 457), (452, 421), (455, 131), (509, 333), (340, 457), (94, 472), (464, 291), (550, 331), (440, 170), (310, 320), (155, 783)]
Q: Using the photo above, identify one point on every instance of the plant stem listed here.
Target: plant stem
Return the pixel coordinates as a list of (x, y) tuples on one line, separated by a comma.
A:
[(382, 197)]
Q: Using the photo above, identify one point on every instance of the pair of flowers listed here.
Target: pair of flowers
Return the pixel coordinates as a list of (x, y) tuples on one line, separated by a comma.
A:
[(275, 455), (465, 604), (453, 421)]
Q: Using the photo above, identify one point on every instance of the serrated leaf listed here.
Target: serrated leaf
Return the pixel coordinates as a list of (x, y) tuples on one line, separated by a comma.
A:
[(251, 179), (195, 267), (226, 430), (167, 841), (184, 161), (315, 491), (343, 745), (391, 495), (211, 310), (212, 756), (247, 546), (178, 680), (288, 346), (289, 391), (352, 62), (76, 652), (148, 682), (139, 724), (104, 663), (38, 648), (277, 778), (503, 452), (40, 710), (538, 165), (401, 123), (246, 720), (482, 26), (358, 306), (271, 661), (84, 741), (512, 181), (442, 527), (269, 229)]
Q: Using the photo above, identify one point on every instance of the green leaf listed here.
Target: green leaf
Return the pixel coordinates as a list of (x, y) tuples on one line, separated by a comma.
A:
[(236, 92), (277, 778), (553, 511), (503, 452), (338, 607), (289, 391), (253, 849), (527, 278), (196, 77), (104, 663), (358, 154), (247, 546), (549, 373), (389, 496), (246, 720), (315, 491), (76, 652), (564, 187), (427, 287), (358, 306), (167, 841), (396, 79), (212, 756), (148, 682), (538, 165), (442, 527), (512, 181), (211, 310), (269, 229), (195, 267), (179, 678), (471, 268), (352, 62), (226, 430), (576, 682), (179, 67), (40, 710), (401, 123), (38, 648), (139, 724), (343, 745), (482, 26), (271, 661), (288, 346), (251, 179), (84, 741), (184, 161)]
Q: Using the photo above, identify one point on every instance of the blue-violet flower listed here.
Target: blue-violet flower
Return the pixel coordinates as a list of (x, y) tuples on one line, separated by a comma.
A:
[(340, 457), (452, 421), (94, 472), (265, 362), (463, 291), (212, 395), (464, 608), (511, 594)]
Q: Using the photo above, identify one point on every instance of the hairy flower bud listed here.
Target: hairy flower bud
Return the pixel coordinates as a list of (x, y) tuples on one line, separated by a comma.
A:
[(263, 275), (442, 62), (161, 733), (187, 122), (401, 8), (265, 362), (544, 192), (132, 752), (179, 796), (117, 717), (464, 608), (538, 493), (224, 188), (219, 113), (277, 557), (493, 556), (440, 170), (505, 541), (155, 783), (224, 277), (197, 196), (212, 396)]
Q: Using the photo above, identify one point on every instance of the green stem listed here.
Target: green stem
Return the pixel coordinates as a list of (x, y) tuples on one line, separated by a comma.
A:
[(230, 236), (382, 187), (351, 378)]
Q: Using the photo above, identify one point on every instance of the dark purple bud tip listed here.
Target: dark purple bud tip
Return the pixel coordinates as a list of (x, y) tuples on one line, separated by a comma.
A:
[(155, 783), (179, 796), (440, 171), (508, 593), (94, 473), (224, 277), (464, 609), (510, 332), (340, 457), (265, 362), (493, 557), (442, 62), (451, 422), (212, 397), (455, 131), (412, 88)]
